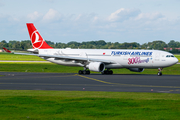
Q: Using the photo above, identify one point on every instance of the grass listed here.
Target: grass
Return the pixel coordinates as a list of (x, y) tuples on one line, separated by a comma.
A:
[(54, 68), (37, 67), (178, 57), (72, 105), (13, 57)]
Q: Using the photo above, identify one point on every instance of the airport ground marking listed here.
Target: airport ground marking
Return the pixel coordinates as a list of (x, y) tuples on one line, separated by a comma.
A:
[(110, 83), (96, 79)]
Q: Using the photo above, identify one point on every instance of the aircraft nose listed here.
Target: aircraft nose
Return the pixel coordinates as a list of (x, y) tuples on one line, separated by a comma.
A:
[(176, 60)]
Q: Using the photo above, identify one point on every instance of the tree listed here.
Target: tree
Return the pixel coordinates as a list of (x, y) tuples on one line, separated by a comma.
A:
[(101, 44), (173, 44), (3, 43), (50, 43)]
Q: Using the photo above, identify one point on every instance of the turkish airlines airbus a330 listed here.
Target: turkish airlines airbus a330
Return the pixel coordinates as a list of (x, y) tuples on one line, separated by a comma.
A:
[(100, 60)]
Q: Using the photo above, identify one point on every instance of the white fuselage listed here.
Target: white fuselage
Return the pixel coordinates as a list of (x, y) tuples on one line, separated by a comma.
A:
[(122, 58)]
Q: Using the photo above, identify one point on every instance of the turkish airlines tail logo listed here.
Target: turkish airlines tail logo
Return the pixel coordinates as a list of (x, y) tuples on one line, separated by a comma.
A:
[(36, 39)]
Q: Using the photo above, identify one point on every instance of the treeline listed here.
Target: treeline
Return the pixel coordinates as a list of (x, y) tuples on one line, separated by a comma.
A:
[(172, 46)]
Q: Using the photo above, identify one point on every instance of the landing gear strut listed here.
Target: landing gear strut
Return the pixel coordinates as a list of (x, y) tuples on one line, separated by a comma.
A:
[(159, 73), (85, 72), (107, 72)]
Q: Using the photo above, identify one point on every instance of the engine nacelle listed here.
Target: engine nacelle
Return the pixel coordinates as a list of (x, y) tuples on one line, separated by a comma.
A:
[(136, 69), (96, 66)]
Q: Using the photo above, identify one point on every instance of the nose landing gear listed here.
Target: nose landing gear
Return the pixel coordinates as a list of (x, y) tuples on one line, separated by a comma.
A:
[(159, 73)]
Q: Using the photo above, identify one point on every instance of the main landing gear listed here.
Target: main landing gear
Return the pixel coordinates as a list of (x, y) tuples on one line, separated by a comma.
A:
[(85, 72), (107, 72), (159, 73)]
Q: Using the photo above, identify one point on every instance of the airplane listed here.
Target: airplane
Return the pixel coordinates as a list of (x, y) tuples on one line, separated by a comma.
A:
[(99, 60)]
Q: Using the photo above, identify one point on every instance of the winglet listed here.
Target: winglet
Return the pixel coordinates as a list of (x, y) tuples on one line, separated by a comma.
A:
[(36, 39), (6, 50)]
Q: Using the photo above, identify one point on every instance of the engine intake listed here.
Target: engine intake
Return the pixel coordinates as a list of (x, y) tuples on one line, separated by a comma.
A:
[(136, 69), (96, 66)]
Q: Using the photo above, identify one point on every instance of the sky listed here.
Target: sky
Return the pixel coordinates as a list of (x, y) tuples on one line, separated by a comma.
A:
[(64, 21)]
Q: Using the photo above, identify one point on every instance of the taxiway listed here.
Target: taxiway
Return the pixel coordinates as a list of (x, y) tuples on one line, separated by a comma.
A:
[(93, 82)]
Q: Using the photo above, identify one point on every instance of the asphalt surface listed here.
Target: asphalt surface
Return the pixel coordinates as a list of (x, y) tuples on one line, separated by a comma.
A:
[(93, 82)]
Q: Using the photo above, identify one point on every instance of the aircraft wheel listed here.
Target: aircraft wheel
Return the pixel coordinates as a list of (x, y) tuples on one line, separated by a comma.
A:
[(87, 72), (80, 72), (107, 72), (159, 73), (110, 72), (84, 72), (104, 72)]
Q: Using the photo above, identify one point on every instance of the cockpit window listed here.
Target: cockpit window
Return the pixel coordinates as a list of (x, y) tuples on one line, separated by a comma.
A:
[(169, 55)]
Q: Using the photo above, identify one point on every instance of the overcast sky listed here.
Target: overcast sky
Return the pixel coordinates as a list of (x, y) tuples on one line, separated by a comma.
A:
[(121, 21)]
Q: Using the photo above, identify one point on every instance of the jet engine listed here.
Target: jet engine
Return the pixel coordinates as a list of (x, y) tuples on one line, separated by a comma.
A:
[(136, 69), (96, 66)]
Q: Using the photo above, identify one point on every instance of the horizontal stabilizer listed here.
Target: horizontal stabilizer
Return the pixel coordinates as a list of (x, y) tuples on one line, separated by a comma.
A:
[(6, 50)]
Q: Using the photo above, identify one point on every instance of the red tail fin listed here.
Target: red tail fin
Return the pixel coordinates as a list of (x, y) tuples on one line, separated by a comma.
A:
[(6, 50), (36, 39)]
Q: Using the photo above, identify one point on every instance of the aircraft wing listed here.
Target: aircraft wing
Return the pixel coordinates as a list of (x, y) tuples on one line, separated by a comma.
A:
[(70, 58)]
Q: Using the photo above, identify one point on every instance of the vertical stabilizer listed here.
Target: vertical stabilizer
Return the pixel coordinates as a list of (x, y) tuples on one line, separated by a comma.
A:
[(36, 39)]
